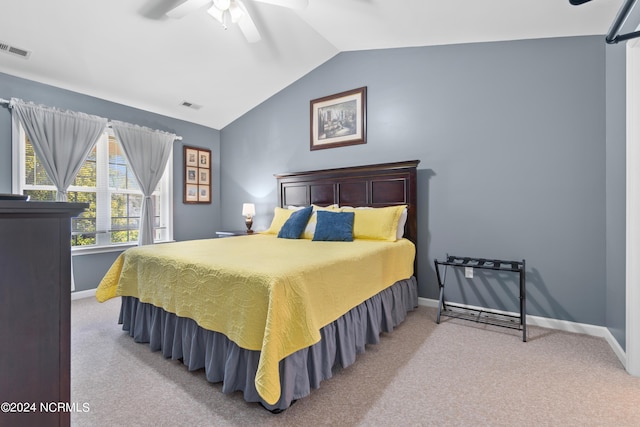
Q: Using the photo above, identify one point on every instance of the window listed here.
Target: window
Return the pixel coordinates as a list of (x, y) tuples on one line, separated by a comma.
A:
[(107, 183)]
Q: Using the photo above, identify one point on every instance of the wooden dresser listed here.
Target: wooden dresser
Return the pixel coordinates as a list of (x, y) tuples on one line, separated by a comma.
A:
[(35, 311)]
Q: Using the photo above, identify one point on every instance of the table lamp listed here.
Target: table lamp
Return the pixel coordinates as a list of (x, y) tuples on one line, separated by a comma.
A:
[(248, 212)]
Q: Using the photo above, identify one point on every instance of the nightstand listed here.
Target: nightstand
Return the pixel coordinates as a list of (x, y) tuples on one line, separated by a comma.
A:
[(234, 233)]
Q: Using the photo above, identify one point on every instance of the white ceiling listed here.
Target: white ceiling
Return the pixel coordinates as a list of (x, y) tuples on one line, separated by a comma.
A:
[(129, 52)]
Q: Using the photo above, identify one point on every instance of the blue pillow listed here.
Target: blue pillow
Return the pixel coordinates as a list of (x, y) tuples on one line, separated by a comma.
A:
[(334, 226), (295, 225)]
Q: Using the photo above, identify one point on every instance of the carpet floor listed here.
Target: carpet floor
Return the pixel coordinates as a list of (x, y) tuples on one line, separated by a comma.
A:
[(454, 374)]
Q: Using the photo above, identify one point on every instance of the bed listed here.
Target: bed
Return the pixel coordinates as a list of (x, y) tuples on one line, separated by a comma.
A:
[(269, 328)]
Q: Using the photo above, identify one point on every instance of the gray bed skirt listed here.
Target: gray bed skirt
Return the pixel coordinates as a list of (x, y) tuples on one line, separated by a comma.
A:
[(223, 361)]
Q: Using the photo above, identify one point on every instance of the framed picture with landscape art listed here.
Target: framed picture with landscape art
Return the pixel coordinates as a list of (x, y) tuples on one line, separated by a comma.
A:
[(197, 175), (339, 120)]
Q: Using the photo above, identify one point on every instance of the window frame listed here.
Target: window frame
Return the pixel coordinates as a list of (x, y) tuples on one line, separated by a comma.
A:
[(103, 192)]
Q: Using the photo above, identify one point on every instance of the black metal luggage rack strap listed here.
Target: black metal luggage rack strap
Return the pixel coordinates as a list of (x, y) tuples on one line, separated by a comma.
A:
[(486, 316)]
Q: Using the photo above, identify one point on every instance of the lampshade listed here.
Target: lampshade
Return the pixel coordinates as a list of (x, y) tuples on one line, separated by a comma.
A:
[(248, 209)]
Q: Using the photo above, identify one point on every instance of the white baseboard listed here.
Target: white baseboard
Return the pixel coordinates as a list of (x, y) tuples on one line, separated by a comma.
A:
[(427, 302), (83, 294), (561, 325)]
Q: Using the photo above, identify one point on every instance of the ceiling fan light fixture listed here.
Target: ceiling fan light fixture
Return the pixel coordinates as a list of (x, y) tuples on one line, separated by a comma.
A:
[(225, 12), (236, 12), (222, 4), (216, 13)]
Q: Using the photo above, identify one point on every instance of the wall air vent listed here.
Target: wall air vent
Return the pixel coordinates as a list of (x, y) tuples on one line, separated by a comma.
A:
[(7, 48), (191, 105)]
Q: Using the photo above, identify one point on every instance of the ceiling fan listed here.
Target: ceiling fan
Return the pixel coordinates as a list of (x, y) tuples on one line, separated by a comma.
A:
[(229, 12)]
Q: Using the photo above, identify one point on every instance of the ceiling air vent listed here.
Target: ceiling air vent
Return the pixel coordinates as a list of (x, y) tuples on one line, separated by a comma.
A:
[(191, 105), (7, 48)]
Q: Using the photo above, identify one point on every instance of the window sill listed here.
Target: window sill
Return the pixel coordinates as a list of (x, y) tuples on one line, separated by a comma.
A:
[(89, 250)]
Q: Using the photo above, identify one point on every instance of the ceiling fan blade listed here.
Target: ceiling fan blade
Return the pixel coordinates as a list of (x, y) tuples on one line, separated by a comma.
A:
[(291, 4), (578, 2), (187, 7), (248, 28)]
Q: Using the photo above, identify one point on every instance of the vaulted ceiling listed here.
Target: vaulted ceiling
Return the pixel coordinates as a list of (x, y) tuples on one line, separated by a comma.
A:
[(130, 52)]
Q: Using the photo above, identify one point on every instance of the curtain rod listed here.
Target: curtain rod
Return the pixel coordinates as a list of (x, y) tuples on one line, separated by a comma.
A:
[(7, 101)]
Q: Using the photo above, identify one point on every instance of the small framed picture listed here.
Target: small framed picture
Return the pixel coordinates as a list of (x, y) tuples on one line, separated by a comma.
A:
[(190, 156), (203, 194), (205, 158), (197, 175), (192, 175), (203, 176), (191, 193)]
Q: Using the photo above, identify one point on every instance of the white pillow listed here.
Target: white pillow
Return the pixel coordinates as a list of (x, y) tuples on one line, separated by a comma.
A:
[(297, 208), (401, 222)]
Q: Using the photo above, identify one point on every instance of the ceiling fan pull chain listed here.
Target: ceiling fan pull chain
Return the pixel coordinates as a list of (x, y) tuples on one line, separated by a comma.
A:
[(225, 18)]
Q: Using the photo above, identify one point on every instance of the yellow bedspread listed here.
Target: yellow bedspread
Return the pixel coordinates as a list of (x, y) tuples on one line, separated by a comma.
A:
[(264, 293)]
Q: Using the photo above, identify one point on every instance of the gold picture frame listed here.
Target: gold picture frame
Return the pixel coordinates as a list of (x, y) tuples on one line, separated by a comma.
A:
[(197, 175), (339, 120)]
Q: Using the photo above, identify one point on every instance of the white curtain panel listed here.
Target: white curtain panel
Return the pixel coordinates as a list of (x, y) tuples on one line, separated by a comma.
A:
[(61, 139), (147, 152)]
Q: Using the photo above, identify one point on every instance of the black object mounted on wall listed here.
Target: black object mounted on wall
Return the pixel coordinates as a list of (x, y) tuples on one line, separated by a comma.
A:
[(613, 36)]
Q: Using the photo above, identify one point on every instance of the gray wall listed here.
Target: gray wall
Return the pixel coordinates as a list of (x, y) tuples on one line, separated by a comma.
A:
[(511, 138), (616, 191), (190, 221)]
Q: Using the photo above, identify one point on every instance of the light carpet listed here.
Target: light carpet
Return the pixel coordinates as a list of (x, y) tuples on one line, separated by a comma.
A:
[(457, 373)]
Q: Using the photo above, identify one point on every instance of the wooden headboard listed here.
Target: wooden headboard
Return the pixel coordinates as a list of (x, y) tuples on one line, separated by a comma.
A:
[(379, 185)]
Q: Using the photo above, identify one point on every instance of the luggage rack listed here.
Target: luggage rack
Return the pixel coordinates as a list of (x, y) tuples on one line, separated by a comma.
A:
[(480, 315)]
